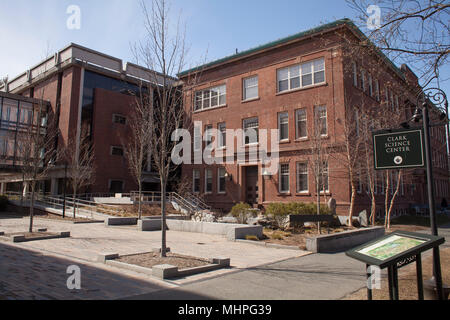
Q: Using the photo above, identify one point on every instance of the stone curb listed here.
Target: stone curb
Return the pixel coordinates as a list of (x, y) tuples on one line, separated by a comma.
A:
[(19, 238), (164, 271), (269, 245)]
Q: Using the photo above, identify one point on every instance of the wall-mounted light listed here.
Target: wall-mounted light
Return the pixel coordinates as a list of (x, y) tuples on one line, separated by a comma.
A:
[(228, 176), (266, 174)]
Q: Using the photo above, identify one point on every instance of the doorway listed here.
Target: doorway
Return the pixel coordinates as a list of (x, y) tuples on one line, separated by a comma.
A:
[(251, 185)]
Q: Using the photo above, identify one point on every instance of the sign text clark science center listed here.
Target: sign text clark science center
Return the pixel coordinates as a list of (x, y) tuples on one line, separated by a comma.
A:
[(398, 149)]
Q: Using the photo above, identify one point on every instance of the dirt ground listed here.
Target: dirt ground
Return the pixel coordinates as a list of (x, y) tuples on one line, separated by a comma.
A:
[(60, 218), (149, 260), (407, 280)]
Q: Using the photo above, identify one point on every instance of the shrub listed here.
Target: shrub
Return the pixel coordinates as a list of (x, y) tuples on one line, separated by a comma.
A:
[(3, 203), (277, 236), (279, 213), (241, 211)]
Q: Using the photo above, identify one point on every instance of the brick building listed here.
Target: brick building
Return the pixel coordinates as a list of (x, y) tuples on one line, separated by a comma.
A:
[(296, 84), (90, 94)]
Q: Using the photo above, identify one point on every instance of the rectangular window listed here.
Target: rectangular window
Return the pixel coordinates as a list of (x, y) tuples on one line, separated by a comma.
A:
[(370, 86), (301, 124), (119, 119), (397, 106), (197, 138), (299, 76), (196, 181), (302, 178), (284, 178), (321, 120), (222, 128), (210, 98), (377, 90), (323, 179), (117, 151), (363, 80), (251, 126), (208, 180), (355, 74), (392, 102), (208, 135), (221, 184), (250, 88), (283, 126)]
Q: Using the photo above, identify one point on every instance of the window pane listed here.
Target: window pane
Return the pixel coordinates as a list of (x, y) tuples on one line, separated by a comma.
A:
[(294, 71), (283, 74), (295, 83), (283, 85), (307, 68), (222, 100), (319, 77), (302, 177), (251, 93), (319, 65), (307, 80)]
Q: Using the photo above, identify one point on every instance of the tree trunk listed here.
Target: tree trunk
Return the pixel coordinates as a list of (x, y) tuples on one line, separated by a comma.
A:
[(352, 205), (74, 201), (139, 201), (391, 206), (163, 218), (318, 204), (33, 185), (373, 210)]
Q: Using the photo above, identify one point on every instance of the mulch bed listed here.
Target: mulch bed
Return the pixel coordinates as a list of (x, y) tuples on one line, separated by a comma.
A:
[(147, 211), (148, 260)]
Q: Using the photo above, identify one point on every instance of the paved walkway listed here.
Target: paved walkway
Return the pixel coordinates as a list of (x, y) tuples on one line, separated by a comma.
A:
[(37, 270)]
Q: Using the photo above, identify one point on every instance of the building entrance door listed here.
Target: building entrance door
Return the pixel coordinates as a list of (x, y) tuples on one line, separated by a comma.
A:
[(251, 185)]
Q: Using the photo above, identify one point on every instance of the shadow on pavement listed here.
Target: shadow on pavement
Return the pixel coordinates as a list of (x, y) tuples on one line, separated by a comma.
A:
[(29, 275)]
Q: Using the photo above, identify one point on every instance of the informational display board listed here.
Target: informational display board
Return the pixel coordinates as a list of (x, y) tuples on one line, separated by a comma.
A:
[(398, 149), (394, 248)]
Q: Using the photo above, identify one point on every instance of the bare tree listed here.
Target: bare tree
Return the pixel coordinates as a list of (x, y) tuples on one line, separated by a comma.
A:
[(163, 52), (36, 147), (319, 154), (80, 165), (137, 145), (417, 32)]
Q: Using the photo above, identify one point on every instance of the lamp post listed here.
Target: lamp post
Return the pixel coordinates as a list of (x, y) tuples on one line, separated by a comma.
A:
[(427, 98)]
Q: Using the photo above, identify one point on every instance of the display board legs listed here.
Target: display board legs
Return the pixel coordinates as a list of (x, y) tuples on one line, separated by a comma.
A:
[(369, 288), (419, 276)]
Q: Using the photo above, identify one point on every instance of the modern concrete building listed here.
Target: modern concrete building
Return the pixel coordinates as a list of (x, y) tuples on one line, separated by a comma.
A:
[(90, 94), (300, 84)]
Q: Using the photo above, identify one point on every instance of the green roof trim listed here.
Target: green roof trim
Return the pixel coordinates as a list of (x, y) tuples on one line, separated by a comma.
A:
[(320, 28)]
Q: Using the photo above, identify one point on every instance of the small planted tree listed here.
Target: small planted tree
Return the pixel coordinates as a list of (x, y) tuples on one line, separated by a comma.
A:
[(241, 212), (80, 164)]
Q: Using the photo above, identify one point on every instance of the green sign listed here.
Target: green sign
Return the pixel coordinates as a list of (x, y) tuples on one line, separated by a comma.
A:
[(398, 149)]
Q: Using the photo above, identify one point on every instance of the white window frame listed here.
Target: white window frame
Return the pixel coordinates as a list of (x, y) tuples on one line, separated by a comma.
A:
[(301, 74), (194, 171), (298, 173), (218, 180), (320, 117), (221, 92), (222, 135), (326, 169), (207, 170), (244, 131), (245, 87), (280, 115), (298, 113), (281, 175)]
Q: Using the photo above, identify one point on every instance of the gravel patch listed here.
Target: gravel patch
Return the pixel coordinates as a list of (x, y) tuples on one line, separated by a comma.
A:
[(148, 260)]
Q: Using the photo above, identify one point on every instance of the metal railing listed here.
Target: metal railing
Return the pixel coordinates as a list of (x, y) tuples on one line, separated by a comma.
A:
[(191, 203)]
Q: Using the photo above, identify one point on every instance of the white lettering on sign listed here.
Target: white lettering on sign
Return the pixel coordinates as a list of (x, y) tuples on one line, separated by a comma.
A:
[(397, 144)]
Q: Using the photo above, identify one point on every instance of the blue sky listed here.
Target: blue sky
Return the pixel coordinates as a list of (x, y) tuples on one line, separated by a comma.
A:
[(30, 29)]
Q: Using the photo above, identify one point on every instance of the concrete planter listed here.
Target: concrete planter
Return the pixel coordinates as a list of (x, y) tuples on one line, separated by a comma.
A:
[(342, 241), (164, 271), (20, 238), (231, 231)]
